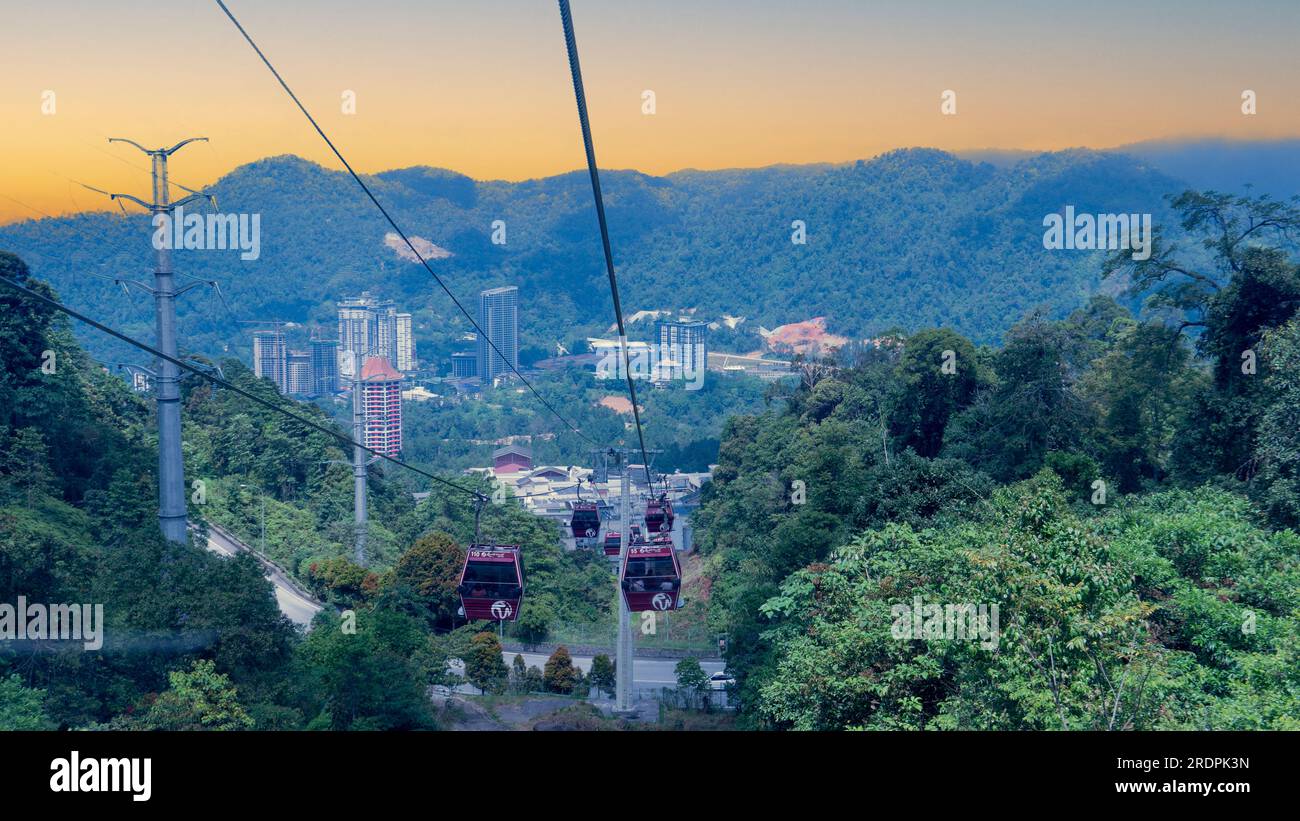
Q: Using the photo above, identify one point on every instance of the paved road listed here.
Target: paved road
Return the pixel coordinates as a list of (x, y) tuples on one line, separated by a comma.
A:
[(647, 673), (294, 602)]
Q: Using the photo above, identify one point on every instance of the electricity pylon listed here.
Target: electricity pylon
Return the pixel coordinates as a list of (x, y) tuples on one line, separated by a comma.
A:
[(171, 468)]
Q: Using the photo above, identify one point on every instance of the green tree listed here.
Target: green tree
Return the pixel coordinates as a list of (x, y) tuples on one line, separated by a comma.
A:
[(430, 571), (22, 708), (534, 681), (1278, 448), (1239, 284), (1033, 409), (1162, 612), (518, 673), (603, 675), (691, 678), (1140, 387), (198, 699), (24, 460), (340, 579), (936, 378), (371, 679), (535, 617), (484, 666), (559, 675)]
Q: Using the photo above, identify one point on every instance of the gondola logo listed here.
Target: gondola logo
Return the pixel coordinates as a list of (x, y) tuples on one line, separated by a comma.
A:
[(501, 610), (662, 601)]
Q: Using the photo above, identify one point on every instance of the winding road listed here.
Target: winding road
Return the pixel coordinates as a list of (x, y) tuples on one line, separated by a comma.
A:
[(295, 603)]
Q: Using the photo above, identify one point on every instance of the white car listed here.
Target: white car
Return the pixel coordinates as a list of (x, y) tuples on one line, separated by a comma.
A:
[(721, 681)]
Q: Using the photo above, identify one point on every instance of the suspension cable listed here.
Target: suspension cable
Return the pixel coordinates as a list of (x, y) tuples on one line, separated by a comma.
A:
[(398, 228), (571, 43), (216, 380)]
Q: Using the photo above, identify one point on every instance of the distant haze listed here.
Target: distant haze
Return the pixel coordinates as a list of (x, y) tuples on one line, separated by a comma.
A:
[(483, 87)]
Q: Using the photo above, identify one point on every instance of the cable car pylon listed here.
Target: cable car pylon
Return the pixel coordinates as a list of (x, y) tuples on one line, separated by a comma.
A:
[(623, 653), (172, 510)]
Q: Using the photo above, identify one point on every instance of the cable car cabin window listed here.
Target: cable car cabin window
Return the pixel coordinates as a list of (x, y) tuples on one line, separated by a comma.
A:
[(490, 580), (657, 573)]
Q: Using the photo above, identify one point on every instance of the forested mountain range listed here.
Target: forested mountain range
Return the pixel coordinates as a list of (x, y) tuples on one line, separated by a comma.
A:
[(1125, 494), (909, 239)]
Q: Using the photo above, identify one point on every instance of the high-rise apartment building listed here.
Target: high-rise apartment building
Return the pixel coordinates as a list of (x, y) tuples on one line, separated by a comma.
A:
[(381, 400), (386, 331), (373, 327), (298, 375), (405, 344), (270, 358), (324, 366), (682, 347), (356, 326), (464, 365), (498, 317)]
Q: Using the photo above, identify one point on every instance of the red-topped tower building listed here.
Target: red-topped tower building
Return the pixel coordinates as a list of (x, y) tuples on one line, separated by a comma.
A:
[(381, 401)]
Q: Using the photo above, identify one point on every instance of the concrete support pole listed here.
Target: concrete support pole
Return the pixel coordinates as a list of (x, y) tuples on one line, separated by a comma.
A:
[(171, 465), (623, 685), (359, 463)]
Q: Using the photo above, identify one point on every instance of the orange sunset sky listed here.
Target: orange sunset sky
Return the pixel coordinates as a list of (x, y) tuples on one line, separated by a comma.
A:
[(483, 87)]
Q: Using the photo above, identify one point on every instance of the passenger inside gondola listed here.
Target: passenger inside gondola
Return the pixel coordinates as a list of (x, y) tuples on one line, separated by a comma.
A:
[(656, 573)]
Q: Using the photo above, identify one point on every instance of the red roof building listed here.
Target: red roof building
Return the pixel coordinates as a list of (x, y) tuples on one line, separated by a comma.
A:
[(512, 459), (381, 400)]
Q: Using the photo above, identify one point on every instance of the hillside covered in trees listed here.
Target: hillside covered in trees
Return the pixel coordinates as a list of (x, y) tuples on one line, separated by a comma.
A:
[(1125, 493), (193, 640), (1123, 487), (910, 239)]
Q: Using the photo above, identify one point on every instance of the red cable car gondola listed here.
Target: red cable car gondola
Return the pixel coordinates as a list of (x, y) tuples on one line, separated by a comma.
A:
[(492, 582), (651, 577), (585, 523), (613, 543), (659, 515)]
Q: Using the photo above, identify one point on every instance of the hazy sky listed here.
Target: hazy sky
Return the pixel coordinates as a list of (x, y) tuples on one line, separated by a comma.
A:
[(482, 86)]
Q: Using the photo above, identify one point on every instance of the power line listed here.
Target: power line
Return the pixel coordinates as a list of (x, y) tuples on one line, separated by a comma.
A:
[(216, 380), (25, 205), (215, 285), (127, 162), (571, 43), (397, 228)]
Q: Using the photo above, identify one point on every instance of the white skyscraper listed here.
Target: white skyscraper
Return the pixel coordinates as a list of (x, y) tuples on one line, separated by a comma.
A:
[(405, 344), (498, 316), (372, 327), (270, 358)]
